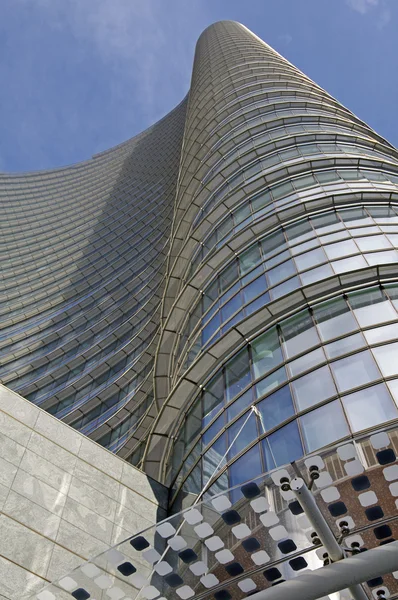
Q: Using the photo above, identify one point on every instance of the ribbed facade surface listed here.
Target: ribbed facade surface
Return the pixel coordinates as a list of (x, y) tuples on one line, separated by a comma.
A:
[(241, 252)]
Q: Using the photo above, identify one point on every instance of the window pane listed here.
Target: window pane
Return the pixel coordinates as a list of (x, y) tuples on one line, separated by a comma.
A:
[(213, 430), (213, 458), (381, 334), (240, 403), (372, 242), (228, 276), (246, 467), (254, 289), (316, 274), (192, 424), (310, 259), (266, 353), (271, 382), (210, 329), (334, 318), (387, 358), (285, 444), (231, 307), (213, 398), (245, 437), (349, 264), (276, 408), (381, 258), (249, 259), (237, 374), (273, 242), (283, 271), (372, 307), (355, 370), (341, 249), (369, 407), (285, 288), (299, 333), (323, 426), (306, 362), (313, 388), (344, 345)]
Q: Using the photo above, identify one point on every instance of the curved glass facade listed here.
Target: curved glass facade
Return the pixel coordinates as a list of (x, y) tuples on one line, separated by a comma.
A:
[(218, 295), (280, 325)]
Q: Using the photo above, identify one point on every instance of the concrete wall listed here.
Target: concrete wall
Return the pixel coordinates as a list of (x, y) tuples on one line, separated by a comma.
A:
[(63, 498)]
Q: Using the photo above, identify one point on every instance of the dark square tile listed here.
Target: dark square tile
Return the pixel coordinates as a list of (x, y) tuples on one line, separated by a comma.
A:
[(385, 456), (80, 594), (384, 531), (295, 508), (278, 582), (272, 574), (126, 569), (250, 490), (287, 546), (222, 595), (234, 569), (139, 543), (188, 556), (337, 508), (231, 517), (173, 580), (373, 513), (388, 541), (251, 544), (298, 563), (375, 582), (360, 483)]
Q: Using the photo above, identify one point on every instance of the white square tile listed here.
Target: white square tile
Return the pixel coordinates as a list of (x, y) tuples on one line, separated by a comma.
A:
[(221, 503), (247, 585), (214, 543), (152, 556), (198, 568), (268, 519), (177, 543), (391, 473), (68, 584), (209, 580), (278, 533), (379, 440), (347, 451), (241, 531), (330, 494), (224, 556), (203, 530), (367, 498), (394, 488), (193, 516), (185, 592), (259, 505), (163, 568), (354, 467), (260, 557)]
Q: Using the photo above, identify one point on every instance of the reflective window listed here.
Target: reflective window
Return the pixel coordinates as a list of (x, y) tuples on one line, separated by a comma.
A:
[(323, 426), (313, 388), (266, 353), (285, 444), (334, 318), (354, 370), (276, 408), (237, 374), (369, 407), (246, 467), (242, 434), (272, 381), (387, 358), (299, 333)]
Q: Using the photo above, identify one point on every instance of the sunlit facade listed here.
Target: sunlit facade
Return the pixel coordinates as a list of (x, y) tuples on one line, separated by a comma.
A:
[(241, 252)]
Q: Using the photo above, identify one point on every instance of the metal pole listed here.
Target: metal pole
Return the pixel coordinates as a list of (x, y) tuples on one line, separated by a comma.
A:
[(336, 576), (316, 518), (320, 525)]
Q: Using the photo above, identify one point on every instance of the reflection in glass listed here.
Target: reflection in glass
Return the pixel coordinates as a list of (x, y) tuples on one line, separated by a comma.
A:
[(245, 437), (285, 444), (369, 407), (298, 334), (237, 374), (247, 467), (387, 358), (323, 426), (334, 318), (276, 408), (269, 383), (313, 388), (266, 353), (355, 370)]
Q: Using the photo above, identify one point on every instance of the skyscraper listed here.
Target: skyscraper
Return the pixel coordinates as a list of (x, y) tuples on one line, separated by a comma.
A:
[(233, 253), (218, 296)]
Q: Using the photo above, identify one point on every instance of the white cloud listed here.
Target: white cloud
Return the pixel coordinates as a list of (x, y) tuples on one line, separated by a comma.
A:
[(362, 6), (285, 38)]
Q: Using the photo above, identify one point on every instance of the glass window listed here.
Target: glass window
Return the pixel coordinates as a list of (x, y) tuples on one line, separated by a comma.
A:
[(228, 276), (353, 216), (213, 430), (334, 318), (349, 264), (313, 388), (306, 362), (381, 334), (237, 374), (245, 437), (371, 307), (327, 222), (285, 444), (283, 189), (246, 467), (327, 176), (254, 289), (344, 345), (298, 334), (316, 274), (341, 249), (354, 370), (381, 258), (372, 242), (214, 458), (213, 398), (231, 307), (310, 259), (273, 242), (212, 326), (304, 182), (256, 304), (299, 232), (323, 426), (266, 353), (249, 259), (281, 272), (193, 424), (387, 358), (240, 403), (272, 381), (276, 408), (381, 214), (369, 407), (285, 288)]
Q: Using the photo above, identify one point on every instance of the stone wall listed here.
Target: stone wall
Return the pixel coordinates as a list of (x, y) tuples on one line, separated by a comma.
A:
[(63, 498)]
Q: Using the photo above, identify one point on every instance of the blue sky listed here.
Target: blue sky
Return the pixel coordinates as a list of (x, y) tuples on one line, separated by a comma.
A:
[(79, 76)]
